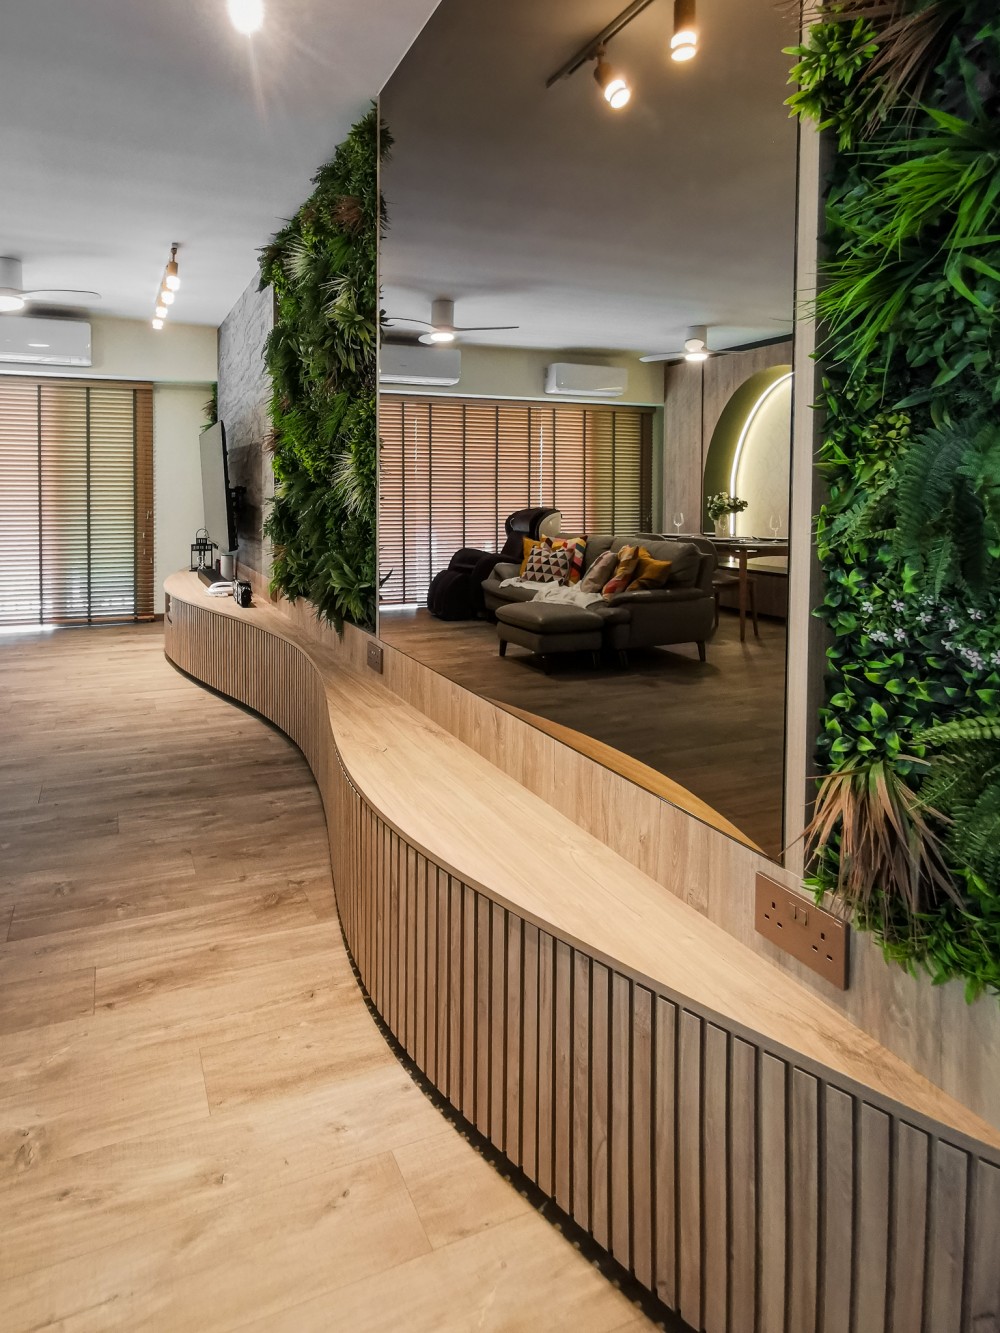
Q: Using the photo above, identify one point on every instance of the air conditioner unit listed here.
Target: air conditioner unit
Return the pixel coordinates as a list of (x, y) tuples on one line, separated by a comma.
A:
[(413, 363), (569, 381), (44, 342)]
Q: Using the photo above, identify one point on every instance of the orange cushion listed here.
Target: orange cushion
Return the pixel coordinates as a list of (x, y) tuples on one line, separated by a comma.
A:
[(650, 573), (628, 563)]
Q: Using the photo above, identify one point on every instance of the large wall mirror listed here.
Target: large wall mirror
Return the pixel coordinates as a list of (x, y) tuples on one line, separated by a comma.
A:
[(556, 268)]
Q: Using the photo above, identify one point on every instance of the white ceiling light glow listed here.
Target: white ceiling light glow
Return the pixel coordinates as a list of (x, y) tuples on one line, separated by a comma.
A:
[(684, 42), (9, 302), (157, 323), (247, 16)]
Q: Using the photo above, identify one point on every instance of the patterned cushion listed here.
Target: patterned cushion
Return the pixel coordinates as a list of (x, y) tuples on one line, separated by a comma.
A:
[(576, 546), (599, 572), (650, 573), (547, 564), (628, 563)]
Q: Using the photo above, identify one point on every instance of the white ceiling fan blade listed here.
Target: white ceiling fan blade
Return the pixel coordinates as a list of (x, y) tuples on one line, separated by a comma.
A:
[(662, 356), (407, 319), (483, 328), (54, 295)]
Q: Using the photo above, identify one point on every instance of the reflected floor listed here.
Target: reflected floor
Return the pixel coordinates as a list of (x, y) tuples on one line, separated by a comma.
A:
[(717, 728)]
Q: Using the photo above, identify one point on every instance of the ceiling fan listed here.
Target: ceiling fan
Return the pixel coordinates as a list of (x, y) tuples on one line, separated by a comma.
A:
[(441, 327), (695, 348), (13, 295)]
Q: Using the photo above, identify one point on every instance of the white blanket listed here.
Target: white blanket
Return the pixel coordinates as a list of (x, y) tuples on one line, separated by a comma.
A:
[(555, 592)]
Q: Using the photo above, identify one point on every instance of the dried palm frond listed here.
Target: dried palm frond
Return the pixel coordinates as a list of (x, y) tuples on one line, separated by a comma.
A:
[(348, 212), (886, 851)]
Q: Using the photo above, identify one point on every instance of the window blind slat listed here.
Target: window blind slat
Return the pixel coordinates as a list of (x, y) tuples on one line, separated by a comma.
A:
[(76, 501), (451, 470)]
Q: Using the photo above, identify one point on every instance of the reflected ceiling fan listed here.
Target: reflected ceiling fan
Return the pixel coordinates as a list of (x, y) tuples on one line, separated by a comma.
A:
[(14, 296), (441, 327), (695, 348)]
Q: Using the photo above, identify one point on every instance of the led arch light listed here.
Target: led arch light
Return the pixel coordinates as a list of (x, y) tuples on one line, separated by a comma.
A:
[(246, 16), (684, 42), (614, 88), (751, 416)]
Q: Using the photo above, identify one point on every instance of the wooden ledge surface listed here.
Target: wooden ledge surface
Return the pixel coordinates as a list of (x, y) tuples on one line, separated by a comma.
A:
[(474, 820)]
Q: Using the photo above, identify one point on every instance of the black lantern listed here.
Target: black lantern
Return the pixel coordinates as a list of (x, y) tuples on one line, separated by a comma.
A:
[(201, 550)]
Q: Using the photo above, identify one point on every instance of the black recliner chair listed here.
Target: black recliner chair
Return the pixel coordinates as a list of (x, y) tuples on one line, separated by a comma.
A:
[(456, 593)]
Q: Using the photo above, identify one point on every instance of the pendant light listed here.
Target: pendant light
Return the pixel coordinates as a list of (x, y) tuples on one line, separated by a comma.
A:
[(614, 89), (684, 43)]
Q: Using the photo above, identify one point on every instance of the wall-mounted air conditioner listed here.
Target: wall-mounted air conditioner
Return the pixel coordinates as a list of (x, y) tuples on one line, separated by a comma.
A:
[(413, 363), (44, 342), (570, 381)]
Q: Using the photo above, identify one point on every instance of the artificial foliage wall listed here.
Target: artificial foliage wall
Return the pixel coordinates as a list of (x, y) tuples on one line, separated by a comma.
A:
[(321, 356), (907, 826)]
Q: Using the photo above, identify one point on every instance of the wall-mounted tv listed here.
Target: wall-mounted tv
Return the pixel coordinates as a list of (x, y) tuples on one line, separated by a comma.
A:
[(220, 513)]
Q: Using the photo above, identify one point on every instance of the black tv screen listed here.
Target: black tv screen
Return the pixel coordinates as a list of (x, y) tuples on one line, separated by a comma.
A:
[(220, 517)]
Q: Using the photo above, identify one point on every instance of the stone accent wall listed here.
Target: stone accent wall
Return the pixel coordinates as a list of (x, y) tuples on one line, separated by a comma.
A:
[(244, 391)]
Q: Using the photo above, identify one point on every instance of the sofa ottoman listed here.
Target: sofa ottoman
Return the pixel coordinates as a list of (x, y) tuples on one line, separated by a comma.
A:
[(549, 627)]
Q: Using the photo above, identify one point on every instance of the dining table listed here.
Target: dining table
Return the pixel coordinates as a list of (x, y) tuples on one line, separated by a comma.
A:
[(738, 551)]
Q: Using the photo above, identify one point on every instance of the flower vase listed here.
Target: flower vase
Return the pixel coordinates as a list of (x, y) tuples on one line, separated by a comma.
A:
[(722, 526)]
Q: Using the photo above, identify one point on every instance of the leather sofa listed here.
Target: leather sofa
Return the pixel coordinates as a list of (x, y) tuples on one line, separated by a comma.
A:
[(681, 612)]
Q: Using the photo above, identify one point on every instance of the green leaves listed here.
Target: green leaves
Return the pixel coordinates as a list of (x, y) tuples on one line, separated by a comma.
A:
[(321, 358)]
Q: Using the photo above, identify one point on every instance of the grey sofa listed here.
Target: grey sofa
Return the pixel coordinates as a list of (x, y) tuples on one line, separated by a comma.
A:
[(681, 612)]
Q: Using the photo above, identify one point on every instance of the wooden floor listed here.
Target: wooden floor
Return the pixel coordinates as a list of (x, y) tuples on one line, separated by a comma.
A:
[(717, 728), (200, 1126)]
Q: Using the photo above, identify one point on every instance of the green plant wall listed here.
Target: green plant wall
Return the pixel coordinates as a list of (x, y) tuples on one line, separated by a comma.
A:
[(321, 356), (908, 820)]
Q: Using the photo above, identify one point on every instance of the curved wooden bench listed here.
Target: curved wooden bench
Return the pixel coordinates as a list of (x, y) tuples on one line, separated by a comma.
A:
[(751, 1156)]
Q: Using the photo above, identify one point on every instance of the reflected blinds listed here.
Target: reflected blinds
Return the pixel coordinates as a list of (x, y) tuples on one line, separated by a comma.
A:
[(451, 470), (76, 502)]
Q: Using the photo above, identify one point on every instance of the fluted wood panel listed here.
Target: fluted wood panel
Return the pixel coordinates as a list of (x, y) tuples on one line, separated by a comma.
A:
[(750, 1188)]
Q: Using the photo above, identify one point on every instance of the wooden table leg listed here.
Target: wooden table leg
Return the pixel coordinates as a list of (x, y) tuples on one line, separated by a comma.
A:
[(743, 596)]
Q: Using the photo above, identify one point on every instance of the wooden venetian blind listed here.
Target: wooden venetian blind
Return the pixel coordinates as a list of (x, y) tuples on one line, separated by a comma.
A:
[(76, 501), (451, 470)]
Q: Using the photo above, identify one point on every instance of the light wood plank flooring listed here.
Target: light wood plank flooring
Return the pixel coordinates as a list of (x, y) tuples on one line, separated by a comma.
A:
[(200, 1125), (716, 727)]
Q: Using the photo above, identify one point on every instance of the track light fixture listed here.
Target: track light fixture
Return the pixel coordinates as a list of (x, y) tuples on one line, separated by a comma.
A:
[(169, 284), (171, 279), (614, 89), (683, 45), (684, 42)]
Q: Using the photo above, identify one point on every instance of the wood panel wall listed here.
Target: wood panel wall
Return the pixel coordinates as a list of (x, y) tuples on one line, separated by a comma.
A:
[(750, 1188)]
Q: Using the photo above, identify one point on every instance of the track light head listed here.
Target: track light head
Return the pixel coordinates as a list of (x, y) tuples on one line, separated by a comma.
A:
[(172, 278), (614, 89), (684, 42), (157, 323)]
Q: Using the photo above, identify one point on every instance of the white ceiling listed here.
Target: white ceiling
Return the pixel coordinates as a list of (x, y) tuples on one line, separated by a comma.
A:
[(589, 228), (129, 124)]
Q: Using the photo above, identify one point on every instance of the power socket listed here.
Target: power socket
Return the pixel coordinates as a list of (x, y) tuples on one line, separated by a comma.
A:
[(375, 656), (807, 932)]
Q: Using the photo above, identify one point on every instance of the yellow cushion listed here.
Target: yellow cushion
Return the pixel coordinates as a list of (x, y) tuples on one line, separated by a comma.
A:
[(628, 563), (650, 573), (527, 548)]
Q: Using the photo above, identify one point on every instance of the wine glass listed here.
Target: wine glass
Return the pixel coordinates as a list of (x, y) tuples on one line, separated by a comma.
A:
[(774, 523), (678, 521)]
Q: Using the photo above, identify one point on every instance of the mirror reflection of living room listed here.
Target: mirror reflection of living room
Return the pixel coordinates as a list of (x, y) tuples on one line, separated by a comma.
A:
[(585, 394)]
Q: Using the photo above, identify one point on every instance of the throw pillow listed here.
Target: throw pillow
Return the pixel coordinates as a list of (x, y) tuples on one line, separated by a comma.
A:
[(628, 563), (528, 546), (650, 573), (547, 564), (599, 572), (577, 547)]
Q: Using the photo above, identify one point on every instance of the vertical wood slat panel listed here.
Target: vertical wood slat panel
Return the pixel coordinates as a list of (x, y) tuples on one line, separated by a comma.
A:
[(600, 1088), (743, 1186), (563, 1076), (544, 1089), (621, 1115), (498, 1028), (872, 1218), (910, 1233), (587, 1059), (714, 1154), (642, 1190), (581, 1090), (803, 1223), (665, 1150), (838, 1211), (773, 1153), (946, 1252)]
